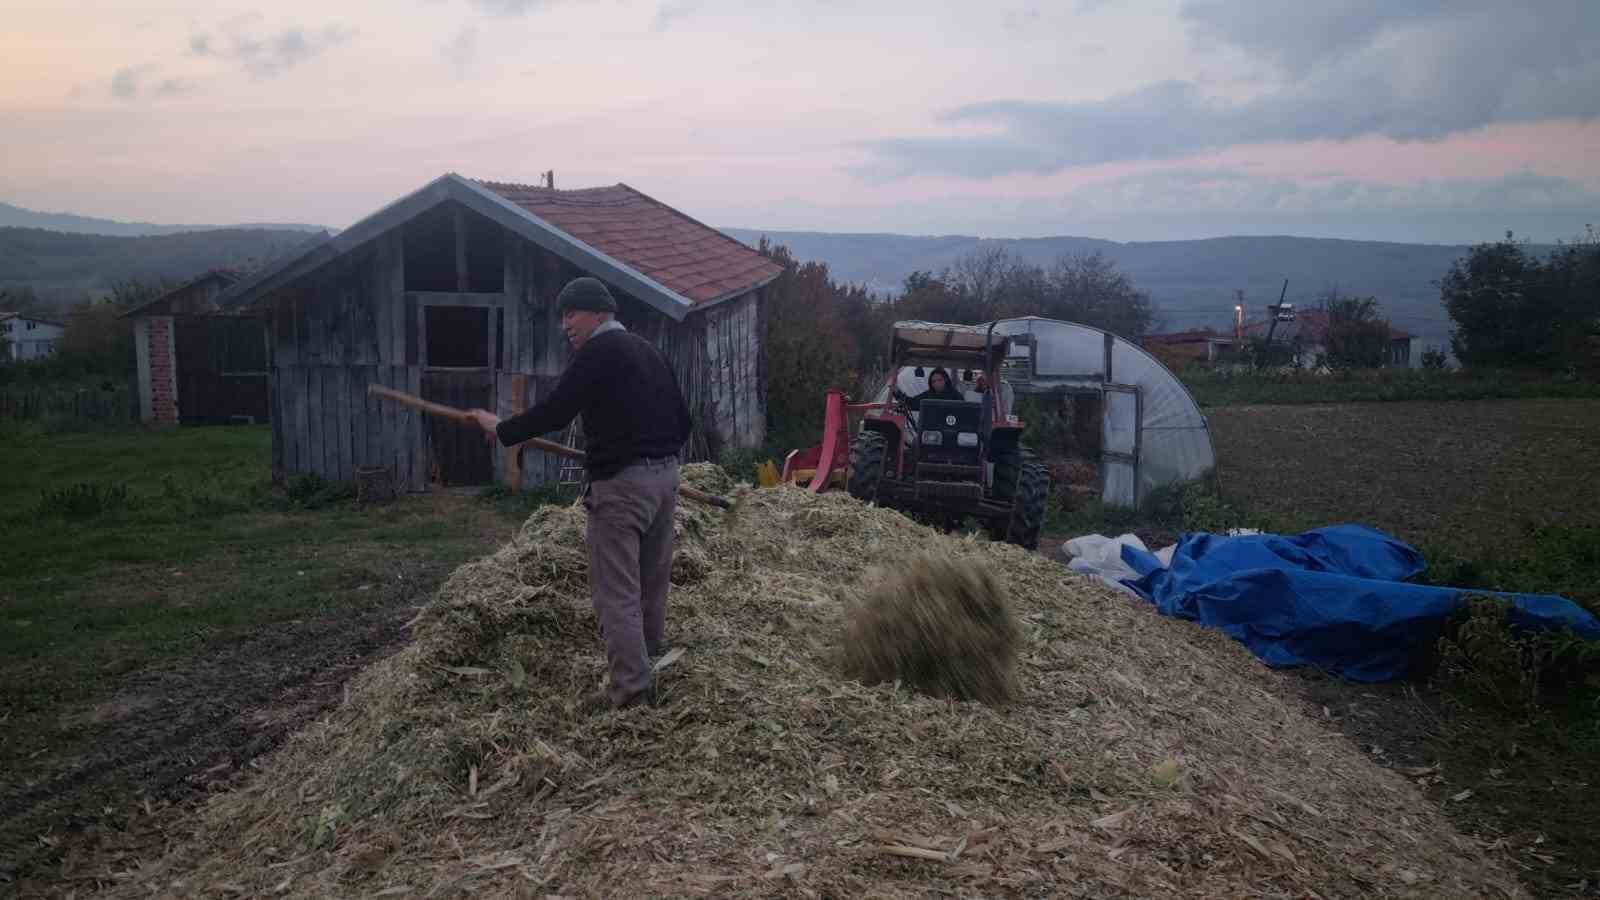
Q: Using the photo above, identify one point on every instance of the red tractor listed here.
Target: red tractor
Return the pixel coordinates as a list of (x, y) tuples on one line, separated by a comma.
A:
[(940, 459)]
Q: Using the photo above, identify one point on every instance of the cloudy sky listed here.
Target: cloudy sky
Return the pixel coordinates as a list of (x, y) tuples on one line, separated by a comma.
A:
[(1426, 120)]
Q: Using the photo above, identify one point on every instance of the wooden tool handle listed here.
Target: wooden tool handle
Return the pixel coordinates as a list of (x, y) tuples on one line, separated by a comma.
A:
[(703, 497), (553, 447), (415, 402), (461, 415)]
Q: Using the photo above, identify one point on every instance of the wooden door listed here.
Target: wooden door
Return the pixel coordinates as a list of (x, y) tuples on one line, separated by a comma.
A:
[(458, 370), (461, 455)]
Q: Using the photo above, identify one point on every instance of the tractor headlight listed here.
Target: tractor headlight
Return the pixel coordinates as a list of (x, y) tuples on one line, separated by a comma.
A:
[(932, 437), (967, 439)]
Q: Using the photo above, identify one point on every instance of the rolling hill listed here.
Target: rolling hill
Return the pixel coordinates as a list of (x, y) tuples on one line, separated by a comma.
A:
[(1192, 283), (18, 217), (65, 268)]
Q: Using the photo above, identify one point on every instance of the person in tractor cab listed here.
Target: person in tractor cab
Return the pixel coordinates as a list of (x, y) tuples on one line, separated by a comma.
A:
[(939, 388)]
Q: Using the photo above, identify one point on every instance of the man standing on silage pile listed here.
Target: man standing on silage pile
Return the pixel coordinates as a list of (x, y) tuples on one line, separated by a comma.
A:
[(634, 421)]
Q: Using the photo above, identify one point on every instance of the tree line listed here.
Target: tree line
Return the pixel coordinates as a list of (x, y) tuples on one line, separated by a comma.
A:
[(1509, 310)]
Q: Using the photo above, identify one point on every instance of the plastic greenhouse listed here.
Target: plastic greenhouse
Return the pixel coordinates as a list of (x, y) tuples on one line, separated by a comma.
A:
[(1151, 434)]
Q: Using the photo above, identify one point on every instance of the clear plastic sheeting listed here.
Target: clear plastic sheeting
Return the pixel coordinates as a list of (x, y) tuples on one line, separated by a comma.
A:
[(1174, 443), (1062, 349), (1119, 483), (1120, 424)]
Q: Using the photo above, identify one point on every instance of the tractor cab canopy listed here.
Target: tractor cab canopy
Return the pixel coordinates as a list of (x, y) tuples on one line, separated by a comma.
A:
[(939, 344), (963, 351)]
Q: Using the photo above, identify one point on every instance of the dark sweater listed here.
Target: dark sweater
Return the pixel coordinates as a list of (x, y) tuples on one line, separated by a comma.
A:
[(628, 397)]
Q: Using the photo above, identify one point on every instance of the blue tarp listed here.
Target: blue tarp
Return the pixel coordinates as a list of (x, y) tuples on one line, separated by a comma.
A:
[(1336, 598)]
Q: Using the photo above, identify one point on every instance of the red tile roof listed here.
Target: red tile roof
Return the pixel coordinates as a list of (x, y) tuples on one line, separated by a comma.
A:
[(692, 259), (1311, 324), (1192, 336)]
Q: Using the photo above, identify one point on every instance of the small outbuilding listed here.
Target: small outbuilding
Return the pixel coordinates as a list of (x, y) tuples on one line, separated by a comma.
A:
[(199, 362), (449, 293)]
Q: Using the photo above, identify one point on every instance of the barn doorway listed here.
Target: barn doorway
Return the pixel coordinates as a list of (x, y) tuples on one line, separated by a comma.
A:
[(458, 357)]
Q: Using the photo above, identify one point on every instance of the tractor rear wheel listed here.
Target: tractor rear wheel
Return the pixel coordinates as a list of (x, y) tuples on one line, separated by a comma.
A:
[(1028, 505), (867, 453)]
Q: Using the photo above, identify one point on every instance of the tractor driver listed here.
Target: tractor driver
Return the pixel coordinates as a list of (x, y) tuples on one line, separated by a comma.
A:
[(939, 388)]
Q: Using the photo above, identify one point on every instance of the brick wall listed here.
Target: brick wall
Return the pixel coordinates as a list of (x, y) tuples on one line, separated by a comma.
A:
[(163, 372)]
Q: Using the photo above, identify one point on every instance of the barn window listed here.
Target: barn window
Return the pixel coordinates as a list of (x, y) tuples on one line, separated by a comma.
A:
[(430, 250), (458, 336)]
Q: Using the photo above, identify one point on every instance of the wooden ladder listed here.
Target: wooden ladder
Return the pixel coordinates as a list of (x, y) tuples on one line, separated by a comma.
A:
[(572, 471)]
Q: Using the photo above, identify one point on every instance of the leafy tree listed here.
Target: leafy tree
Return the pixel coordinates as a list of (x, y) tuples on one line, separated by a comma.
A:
[(932, 298), (1511, 309), (808, 350), (1354, 337), (992, 284), (97, 340), (24, 300), (1091, 290)]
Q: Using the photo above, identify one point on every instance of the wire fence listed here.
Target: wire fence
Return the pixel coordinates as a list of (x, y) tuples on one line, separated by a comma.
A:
[(106, 404)]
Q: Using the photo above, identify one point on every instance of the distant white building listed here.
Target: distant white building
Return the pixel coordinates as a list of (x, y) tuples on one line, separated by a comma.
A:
[(28, 337)]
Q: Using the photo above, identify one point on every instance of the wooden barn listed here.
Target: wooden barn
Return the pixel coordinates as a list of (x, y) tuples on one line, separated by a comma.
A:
[(449, 292), (200, 363)]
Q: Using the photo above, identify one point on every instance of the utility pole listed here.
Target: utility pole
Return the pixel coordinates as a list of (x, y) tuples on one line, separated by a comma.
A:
[(1281, 312)]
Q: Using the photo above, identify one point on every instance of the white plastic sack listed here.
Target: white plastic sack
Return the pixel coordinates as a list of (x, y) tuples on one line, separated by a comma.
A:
[(1100, 558)]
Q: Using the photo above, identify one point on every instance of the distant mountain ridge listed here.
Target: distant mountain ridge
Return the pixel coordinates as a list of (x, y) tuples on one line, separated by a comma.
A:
[(1191, 283), (20, 217), (62, 269)]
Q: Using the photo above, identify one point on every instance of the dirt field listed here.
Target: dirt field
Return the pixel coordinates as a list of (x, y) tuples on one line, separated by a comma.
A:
[(1476, 480), (1471, 476)]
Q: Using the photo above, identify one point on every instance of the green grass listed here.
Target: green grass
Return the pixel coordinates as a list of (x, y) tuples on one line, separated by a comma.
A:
[(1221, 388), (194, 545), (1559, 558)]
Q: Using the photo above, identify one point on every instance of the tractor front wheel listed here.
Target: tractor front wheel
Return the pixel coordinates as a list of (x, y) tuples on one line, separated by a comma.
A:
[(1008, 463), (1028, 505), (867, 454)]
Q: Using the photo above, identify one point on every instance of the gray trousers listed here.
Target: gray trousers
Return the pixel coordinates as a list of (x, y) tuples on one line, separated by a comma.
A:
[(630, 567)]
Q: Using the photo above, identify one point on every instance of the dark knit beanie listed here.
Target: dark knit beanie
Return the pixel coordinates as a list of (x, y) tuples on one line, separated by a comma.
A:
[(585, 293)]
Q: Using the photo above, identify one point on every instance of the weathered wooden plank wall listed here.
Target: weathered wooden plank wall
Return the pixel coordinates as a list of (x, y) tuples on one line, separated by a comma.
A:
[(732, 366)]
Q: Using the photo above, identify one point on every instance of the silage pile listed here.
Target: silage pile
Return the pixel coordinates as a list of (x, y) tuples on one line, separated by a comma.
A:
[(1142, 756)]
